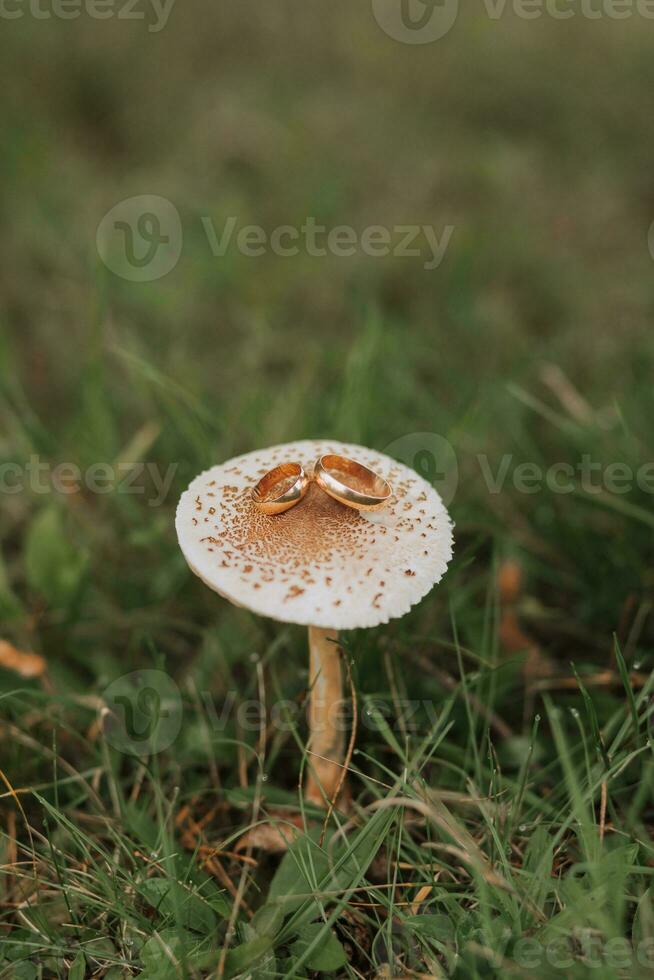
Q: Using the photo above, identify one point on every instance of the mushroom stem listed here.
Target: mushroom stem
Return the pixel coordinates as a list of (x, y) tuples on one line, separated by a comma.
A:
[(326, 734)]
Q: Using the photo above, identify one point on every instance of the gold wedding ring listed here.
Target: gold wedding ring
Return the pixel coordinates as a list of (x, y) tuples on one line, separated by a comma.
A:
[(351, 483), (281, 488)]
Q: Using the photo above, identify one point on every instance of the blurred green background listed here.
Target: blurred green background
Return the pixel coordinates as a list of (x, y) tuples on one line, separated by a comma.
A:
[(533, 139)]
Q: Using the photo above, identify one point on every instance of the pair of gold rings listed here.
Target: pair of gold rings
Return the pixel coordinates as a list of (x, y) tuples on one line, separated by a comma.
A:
[(344, 479)]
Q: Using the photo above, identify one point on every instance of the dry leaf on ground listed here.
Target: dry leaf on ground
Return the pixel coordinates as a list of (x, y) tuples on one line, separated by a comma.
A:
[(21, 662)]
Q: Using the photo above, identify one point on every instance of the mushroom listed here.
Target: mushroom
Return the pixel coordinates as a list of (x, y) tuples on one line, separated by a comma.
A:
[(320, 564)]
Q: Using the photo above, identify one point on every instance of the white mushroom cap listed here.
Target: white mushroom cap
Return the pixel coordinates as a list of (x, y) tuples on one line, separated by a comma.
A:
[(320, 563)]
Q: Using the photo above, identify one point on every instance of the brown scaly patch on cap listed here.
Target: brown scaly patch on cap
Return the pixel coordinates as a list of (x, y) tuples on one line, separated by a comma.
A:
[(320, 563)]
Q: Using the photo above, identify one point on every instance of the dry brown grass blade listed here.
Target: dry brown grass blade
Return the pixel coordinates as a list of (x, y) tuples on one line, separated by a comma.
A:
[(9, 868), (603, 678), (421, 895), (571, 400), (513, 639), (465, 848), (215, 868), (14, 796), (453, 798)]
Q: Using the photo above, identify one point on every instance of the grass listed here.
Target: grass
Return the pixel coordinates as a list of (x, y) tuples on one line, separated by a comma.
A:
[(504, 826)]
